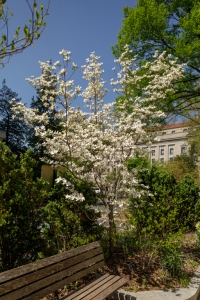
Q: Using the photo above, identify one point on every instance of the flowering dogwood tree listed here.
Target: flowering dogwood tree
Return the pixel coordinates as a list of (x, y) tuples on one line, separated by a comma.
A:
[(95, 147)]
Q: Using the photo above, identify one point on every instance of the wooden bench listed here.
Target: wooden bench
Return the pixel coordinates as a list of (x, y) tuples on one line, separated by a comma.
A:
[(36, 280)]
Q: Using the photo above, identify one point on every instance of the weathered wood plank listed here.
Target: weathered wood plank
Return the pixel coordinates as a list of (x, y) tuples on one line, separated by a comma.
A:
[(30, 278), (111, 281), (62, 283), (17, 272), (58, 277), (111, 289), (92, 289), (76, 294)]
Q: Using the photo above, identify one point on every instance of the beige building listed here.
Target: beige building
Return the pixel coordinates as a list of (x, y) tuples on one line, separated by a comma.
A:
[(2, 135), (172, 142)]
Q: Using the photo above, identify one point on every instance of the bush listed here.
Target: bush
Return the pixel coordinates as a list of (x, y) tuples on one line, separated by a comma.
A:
[(172, 258), (33, 223), (21, 199), (68, 224), (167, 205)]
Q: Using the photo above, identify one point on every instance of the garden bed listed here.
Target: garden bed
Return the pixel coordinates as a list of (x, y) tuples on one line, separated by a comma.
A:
[(154, 276)]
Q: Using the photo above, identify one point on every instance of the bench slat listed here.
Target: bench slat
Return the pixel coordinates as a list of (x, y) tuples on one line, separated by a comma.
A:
[(62, 283), (75, 294), (43, 273), (65, 276), (103, 288), (111, 289), (92, 288), (35, 266)]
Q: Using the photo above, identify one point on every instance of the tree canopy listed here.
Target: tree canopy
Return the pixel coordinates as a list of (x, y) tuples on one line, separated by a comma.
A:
[(172, 26)]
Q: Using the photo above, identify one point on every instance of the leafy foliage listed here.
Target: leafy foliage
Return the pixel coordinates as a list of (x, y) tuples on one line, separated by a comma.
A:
[(171, 26), (167, 206), (68, 224), (34, 223), (21, 199), (16, 129), (182, 165)]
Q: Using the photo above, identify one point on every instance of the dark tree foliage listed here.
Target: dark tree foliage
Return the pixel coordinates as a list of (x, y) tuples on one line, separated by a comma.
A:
[(16, 129), (21, 198)]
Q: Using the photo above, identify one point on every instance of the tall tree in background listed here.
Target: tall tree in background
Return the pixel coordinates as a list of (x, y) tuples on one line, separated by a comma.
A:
[(16, 129), (22, 37), (172, 26)]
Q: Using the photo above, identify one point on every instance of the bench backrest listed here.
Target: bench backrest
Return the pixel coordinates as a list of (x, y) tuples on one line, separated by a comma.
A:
[(37, 280)]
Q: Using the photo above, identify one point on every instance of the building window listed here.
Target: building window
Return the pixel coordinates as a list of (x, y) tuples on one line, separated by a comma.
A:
[(164, 132), (183, 149), (153, 160), (161, 151), (162, 159), (171, 159), (185, 130), (171, 151), (153, 152), (173, 131)]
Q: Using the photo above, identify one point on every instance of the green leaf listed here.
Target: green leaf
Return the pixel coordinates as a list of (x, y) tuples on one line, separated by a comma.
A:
[(4, 37), (37, 14), (26, 30), (13, 46), (37, 34), (39, 24)]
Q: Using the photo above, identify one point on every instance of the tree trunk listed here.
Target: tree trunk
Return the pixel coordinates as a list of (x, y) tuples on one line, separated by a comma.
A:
[(111, 228)]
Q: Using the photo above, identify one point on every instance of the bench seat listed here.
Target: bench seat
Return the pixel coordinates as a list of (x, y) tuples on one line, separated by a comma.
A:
[(98, 289)]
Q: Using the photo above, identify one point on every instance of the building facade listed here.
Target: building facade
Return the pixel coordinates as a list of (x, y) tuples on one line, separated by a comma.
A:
[(172, 141), (2, 135)]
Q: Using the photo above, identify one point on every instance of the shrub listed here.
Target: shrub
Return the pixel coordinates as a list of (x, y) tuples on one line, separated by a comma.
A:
[(68, 224), (21, 199), (167, 205)]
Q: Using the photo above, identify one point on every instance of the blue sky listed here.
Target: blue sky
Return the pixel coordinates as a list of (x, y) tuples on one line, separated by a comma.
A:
[(80, 26)]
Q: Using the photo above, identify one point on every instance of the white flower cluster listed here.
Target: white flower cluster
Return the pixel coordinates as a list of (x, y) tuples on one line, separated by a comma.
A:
[(72, 193), (159, 77), (94, 94)]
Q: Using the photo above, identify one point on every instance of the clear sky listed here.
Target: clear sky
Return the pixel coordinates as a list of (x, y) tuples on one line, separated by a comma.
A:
[(80, 26)]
